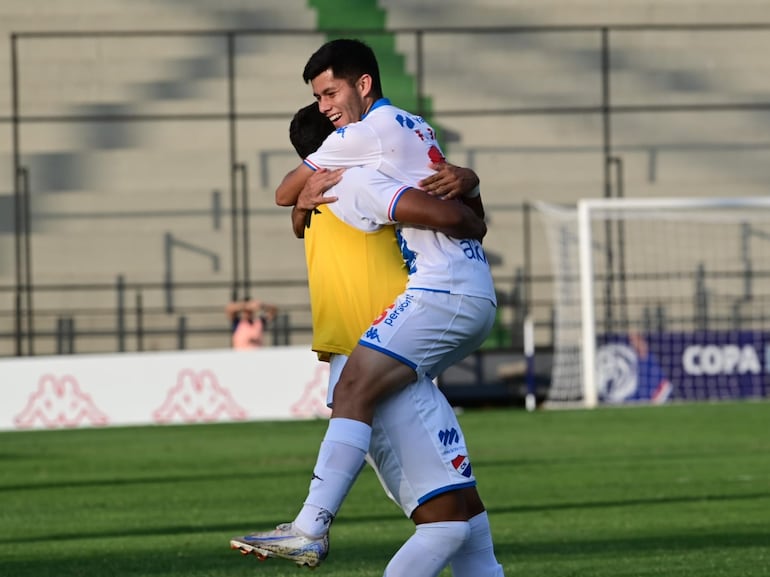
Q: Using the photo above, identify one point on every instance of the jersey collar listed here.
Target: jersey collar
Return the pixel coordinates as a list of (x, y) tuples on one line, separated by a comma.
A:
[(377, 103)]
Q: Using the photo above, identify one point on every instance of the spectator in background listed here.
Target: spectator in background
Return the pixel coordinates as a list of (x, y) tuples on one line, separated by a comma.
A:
[(249, 319)]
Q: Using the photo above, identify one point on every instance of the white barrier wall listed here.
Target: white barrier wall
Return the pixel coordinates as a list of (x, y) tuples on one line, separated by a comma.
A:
[(161, 388)]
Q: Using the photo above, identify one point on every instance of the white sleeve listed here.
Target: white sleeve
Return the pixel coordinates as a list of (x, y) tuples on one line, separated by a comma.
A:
[(352, 145), (366, 198), (376, 195)]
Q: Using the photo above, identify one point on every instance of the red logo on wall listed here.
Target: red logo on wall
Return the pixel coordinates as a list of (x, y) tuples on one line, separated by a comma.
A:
[(59, 402), (198, 397), (313, 400)]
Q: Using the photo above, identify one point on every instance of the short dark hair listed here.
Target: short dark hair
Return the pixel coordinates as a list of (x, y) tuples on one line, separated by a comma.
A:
[(348, 59), (308, 129)]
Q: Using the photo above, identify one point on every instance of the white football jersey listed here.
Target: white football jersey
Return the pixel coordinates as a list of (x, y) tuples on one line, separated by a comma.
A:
[(367, 199), (387, 138)]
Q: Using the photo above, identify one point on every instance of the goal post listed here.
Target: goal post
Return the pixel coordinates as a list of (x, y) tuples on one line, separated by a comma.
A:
[(659, 298)]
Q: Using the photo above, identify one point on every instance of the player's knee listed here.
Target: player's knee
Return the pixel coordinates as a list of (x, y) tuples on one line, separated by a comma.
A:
[(449, 506)]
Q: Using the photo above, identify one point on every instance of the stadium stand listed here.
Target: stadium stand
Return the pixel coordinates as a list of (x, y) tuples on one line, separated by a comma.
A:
[(128, 152)]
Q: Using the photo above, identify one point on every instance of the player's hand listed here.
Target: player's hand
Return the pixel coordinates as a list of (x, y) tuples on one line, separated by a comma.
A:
[(449, 181), (320, 181)]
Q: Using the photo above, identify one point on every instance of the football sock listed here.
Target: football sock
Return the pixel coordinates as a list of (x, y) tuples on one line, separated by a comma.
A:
[(340, 459), (476, 557), (429, 550)]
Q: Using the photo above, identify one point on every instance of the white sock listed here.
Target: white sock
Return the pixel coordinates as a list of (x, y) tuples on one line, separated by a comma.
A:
[(340, 459), (428, 551), (476, 558)]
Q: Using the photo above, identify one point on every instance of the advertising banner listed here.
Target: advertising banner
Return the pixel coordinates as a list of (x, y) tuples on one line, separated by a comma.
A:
[(705, 365), (162, 388)]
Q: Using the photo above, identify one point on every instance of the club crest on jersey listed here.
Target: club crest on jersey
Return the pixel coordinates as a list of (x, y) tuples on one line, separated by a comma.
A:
[(463, 465)]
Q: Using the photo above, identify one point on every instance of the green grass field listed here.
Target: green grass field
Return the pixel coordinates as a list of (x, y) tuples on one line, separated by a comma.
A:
[(668, 491)]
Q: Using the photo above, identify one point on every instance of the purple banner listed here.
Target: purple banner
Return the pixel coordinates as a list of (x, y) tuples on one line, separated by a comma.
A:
[(707, 365)]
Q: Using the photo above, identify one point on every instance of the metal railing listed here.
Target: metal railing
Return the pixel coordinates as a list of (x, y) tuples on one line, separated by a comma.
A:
[(524, 285)]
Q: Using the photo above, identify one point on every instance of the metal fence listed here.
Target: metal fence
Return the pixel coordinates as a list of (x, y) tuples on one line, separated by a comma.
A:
[(545, 113)]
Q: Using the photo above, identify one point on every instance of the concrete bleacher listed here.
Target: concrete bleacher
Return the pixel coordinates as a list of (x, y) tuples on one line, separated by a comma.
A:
[(132, 198), (128, 183), (496, 13)]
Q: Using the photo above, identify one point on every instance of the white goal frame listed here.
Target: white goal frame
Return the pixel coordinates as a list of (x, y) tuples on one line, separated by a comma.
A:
[(585, 209)]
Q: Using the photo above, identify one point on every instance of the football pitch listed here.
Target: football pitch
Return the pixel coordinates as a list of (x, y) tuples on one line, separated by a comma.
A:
[(681, 490)]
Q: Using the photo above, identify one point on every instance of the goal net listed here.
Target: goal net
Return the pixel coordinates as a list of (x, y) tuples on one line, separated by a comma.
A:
[(660, 299)]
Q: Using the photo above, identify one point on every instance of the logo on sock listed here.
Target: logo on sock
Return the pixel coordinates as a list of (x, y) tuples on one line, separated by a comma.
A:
[(314, 477), (325, 517)]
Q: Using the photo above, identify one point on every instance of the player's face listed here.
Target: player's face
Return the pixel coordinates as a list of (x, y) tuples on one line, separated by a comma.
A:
[(338, 100)]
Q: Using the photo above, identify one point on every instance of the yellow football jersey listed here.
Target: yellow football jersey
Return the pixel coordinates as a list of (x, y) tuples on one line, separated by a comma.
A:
[(353, 276)]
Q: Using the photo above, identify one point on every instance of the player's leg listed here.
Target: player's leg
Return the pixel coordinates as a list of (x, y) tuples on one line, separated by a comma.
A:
[(427, 552), (410, 337), (340, 460), (418, 451), (369, 376), (476, 556), (423, 331), (347, 439)]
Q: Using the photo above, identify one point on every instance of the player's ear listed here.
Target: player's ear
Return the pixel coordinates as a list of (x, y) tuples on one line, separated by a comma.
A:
[(364, 85)]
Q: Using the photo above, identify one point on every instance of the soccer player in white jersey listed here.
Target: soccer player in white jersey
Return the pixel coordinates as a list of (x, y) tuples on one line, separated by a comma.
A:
[(403, 345), (418, 448)]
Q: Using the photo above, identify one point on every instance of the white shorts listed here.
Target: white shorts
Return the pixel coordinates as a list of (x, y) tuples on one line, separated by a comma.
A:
[(430, 331), (418, 448)]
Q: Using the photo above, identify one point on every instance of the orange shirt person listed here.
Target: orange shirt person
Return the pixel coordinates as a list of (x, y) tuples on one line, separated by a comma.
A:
[(249, 319)]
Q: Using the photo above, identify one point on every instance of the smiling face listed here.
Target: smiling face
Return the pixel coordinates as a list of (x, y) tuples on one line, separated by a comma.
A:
[(339, 100)]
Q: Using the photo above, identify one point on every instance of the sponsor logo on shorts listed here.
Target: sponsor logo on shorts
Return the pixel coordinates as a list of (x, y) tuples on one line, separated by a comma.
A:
[(463, 465), (396, 311), (383, 314), (449, 436), (372, 334)]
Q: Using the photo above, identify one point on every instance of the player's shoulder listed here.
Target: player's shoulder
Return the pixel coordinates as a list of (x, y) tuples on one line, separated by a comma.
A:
[(368, 177), (355, 130), (392, 112)]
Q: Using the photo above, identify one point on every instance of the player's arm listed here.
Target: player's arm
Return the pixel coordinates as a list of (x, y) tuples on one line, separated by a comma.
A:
[(474, 202), (450, 181), (451, 217), (288, 191), (311, 195), (359, 146), (298, 221)]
